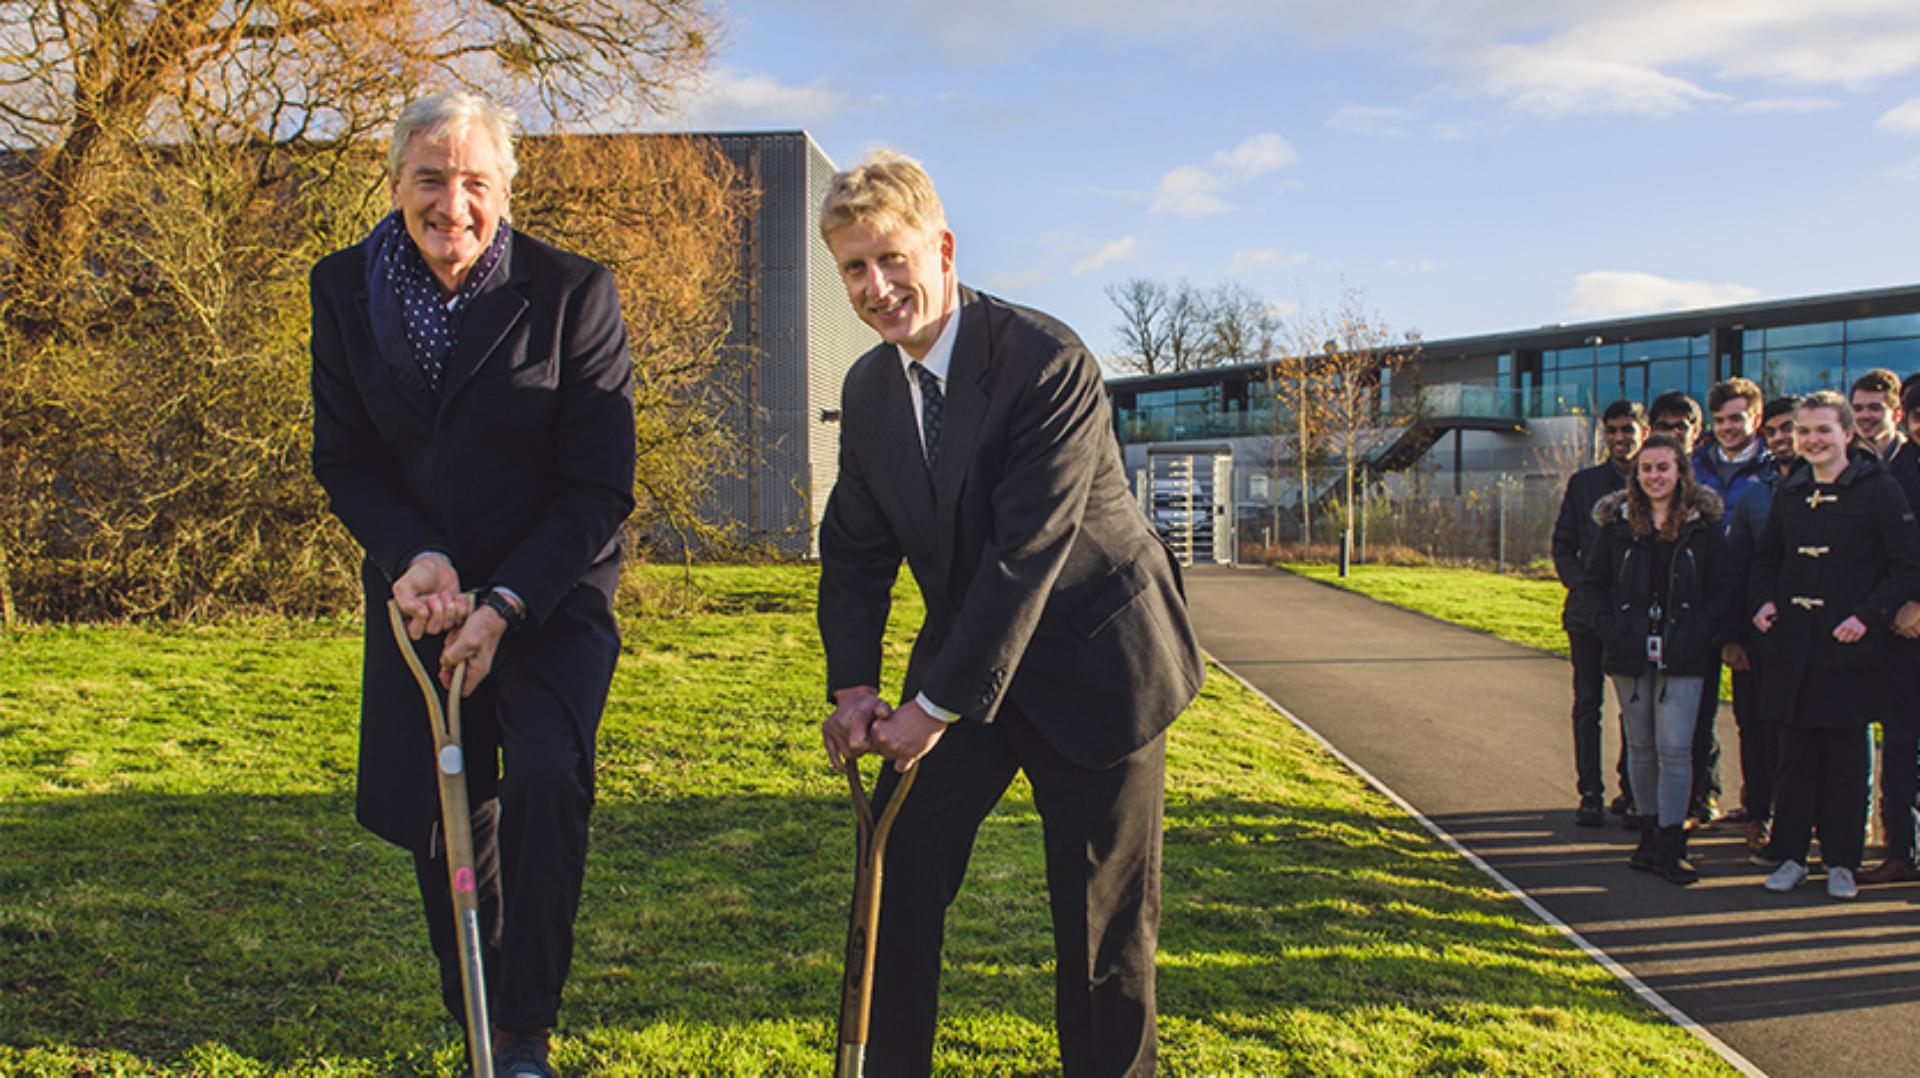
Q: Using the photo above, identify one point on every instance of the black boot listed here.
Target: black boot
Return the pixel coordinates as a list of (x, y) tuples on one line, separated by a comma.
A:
[(1672, 863), (1646, 855)]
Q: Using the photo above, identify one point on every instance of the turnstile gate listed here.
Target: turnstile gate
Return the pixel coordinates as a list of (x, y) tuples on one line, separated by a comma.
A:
[(1189, 498)]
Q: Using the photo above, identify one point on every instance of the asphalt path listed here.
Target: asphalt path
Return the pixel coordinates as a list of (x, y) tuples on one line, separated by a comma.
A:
[(1474, 733)]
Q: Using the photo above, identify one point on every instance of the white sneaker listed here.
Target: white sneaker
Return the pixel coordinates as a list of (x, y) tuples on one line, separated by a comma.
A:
[(1840, 883), (1790, 875)]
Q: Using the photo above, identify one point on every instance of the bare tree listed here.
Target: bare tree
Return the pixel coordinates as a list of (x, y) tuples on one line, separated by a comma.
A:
[(1357, 354), (1142, 304), (176, 168), (85, 82), (1300, 410), (1241, 327)]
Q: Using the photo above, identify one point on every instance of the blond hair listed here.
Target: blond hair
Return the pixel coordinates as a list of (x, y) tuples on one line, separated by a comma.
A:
[(886, 190)]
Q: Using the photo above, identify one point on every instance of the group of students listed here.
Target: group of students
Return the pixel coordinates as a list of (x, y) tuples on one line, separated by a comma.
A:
[(1783, 548)]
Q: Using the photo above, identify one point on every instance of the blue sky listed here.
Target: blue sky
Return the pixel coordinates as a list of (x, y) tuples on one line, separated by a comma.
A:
[(1472, 165)]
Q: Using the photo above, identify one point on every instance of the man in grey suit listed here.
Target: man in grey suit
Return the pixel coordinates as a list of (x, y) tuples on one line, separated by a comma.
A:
[(976, 444)]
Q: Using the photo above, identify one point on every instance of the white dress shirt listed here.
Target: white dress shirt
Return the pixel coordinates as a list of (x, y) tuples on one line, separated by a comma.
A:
[(939, 359)]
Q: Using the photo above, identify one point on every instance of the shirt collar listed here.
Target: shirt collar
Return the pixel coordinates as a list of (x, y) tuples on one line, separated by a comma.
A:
[(940, 356), (1751, 451)]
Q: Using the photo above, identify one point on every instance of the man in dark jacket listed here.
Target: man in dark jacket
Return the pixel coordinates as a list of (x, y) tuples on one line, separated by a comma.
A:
[(975, 444), (1727, 463), (1900, 726), (1746, 516), (1623, 424), (473, 429)]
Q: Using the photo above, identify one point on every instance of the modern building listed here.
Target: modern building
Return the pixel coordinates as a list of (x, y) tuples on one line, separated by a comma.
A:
[(1211, 446), (792, 322)]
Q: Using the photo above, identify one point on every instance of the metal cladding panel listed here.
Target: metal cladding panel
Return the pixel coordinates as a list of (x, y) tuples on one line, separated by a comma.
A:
[(768, 500), (798, 337), (835, 338)]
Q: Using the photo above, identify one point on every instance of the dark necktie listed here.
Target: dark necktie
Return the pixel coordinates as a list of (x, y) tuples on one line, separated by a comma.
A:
[(930, 402)]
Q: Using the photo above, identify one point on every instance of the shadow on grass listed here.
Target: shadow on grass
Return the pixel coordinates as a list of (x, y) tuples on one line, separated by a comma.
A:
[(275, 927)]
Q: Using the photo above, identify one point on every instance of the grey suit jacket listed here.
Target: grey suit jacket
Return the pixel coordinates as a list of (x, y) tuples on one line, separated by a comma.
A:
[(1044, 582)]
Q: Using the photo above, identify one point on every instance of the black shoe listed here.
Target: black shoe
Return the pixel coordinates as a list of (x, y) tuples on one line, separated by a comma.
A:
[(1646, 857), (522, 1057), (1589, 814), (1631, 821), (1672, 863), (1619, 805)]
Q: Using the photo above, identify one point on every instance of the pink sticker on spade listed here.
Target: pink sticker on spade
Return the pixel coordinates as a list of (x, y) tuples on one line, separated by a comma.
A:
[(463, 880)]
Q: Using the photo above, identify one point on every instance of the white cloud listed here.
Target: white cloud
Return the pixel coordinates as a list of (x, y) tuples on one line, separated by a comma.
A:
[(1902, 119), (1259, 257), (735, 98), (1420, 265), (1370, 120), (1660, 57), (1550, 80), (1604, 293), (1549, 57), (1456, 130), (1109, 252), (1787, 105), (1194, 190)]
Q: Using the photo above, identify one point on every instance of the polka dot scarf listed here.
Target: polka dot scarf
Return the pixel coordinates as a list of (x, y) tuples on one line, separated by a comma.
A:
[(405, 299)]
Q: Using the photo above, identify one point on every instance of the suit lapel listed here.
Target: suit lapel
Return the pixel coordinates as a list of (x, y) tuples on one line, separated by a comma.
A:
[(905, 468), (399, 369), (965, 408), (496, 307)]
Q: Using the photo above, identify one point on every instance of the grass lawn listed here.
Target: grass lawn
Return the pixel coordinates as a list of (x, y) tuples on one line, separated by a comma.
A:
[(183, 889), (1522, 609)]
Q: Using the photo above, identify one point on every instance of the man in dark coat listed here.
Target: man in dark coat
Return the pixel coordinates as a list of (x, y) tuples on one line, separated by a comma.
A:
[(976, 443), (1623, 424), (1746, 516), (473, 428), (1900, 727)]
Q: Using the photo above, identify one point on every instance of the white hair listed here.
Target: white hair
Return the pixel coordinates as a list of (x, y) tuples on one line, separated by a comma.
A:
[(450, 112)]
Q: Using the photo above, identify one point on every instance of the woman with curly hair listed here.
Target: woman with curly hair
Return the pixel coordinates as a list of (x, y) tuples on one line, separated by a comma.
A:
[(1659, 587)]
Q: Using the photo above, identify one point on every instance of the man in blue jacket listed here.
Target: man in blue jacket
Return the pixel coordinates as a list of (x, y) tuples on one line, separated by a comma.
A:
[(1624, 425), (1900, 727), (1746, 516), (1733, 459)]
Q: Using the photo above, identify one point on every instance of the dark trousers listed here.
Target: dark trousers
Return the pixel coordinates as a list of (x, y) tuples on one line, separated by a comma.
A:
[(1706, 740), (1102, 836), (1589, 698), (1900, 752), (1759, 758), (1823, 784), (530, 854)]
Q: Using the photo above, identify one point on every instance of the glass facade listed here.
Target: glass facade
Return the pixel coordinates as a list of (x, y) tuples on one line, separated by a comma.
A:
[(1573, 380), (1830, 355), (1583, 378)]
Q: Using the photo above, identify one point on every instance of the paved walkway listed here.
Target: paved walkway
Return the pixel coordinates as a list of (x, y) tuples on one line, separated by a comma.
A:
[(1473, 732)]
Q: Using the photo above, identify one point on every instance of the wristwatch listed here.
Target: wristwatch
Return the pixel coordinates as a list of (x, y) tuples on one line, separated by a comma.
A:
[(499, 604)]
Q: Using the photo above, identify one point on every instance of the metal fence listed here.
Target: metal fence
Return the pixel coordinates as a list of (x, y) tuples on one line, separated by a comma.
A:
[(1505, 521)]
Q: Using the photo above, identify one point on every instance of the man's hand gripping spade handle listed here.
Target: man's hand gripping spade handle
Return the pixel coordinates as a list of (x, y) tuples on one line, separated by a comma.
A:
[(856, 991), (456, 829)]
